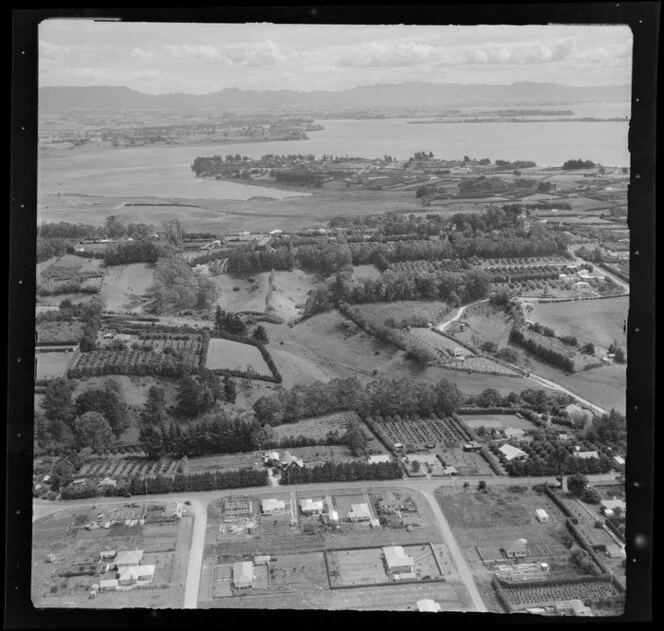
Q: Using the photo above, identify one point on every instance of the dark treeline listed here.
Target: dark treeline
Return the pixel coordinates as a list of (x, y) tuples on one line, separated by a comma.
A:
[(248, 260), (342, 472), (300, 177), (327, 256), (571, 165), (547, 353), (517, 164), (65, 230), (142, 251), (386, 397), (199, 482), (219, 436)]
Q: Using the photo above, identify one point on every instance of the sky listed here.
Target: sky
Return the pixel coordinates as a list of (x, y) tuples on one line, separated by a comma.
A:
[(201, 58)]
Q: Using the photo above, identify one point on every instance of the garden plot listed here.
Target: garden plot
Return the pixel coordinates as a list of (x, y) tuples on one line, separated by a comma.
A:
[(416, 433), (521, 597), (466, 463), (229, 355), (97, 363), (356, 568)]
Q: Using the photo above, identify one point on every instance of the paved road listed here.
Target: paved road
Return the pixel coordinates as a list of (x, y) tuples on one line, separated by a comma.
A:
[(195, 553)]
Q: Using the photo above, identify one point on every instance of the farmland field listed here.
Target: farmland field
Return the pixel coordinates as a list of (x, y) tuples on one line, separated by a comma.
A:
[(125, 285), (229, 355), (52, 365), (599, 321), (414, 433), (96, 363)]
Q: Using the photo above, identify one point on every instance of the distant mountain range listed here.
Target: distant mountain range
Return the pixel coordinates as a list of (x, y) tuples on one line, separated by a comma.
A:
[(412, 94)]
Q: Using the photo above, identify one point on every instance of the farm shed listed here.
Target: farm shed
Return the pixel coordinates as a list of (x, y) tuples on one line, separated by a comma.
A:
[(542, 515), (398, 562), (426, 604), (129, 557), (108, 584), (311, 507), (379, 459), (450, 471), (262, 560), (359, 512), (107, 555), (512, 453), (271, 457), (473, 445), (272, 506), (108, 483), (517, 549), (619, 461), (243, 574)]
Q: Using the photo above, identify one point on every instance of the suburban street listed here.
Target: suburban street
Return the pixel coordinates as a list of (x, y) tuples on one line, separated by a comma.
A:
[(199, 501)]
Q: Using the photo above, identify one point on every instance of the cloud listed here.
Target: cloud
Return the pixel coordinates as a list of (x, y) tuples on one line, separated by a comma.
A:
[(50, 51), (139, 53), (263, 54), (404, 54), (184, 51)]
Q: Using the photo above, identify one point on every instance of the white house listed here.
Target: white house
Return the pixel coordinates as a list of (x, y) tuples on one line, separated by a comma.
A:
[(243, 574), (271, 457), (273, 506), (512, 453), (459, 353), (311, 507), (542, 515), (359, 512), (398, 562), (108, 483), (615, 551), (289, 460), (619, 461), (449, 470), (129, 558), (136, 574)]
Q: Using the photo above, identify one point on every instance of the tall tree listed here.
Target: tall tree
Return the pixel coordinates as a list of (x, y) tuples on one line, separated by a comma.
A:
[(58, 404), (230, 389), (109, 403), (260, 334), (151, 440), (154, 410), (92, 430)]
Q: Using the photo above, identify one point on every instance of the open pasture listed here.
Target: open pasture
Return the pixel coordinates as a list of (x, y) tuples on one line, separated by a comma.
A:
[(598, 321), (427, 311), (59, 331), (229, 355)]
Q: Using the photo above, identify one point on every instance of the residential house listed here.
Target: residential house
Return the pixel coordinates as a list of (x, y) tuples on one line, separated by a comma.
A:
[(473, 445), (512, 453), (273, 506), (287, 460), (108, 483), (619, 462), (136, 574), (271, 458), (107, 555), (609, 507), (516, 550), (459, 353), (514, 433), (449, 470), (311, 507), (399, 563), (262, 560), (359, 512), (128, 558), (243, 574), (542, 515)]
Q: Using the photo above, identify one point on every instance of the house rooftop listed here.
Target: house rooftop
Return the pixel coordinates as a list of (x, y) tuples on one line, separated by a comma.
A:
[(510, 452), (129, 557), (426, 604), (396, 557)]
